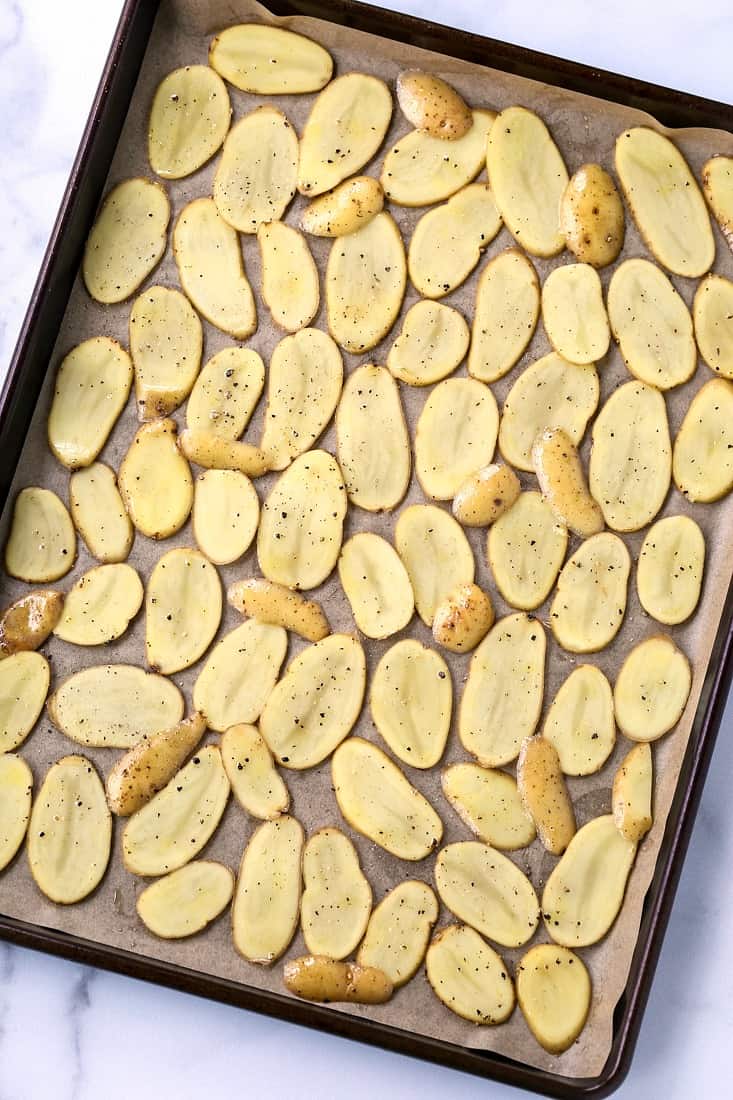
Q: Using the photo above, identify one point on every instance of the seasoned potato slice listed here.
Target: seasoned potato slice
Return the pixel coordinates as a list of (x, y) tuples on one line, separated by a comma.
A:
[(376, 585), (350, 206), (574, 314), (316, 703), (239, 674), (155, 481), (226, 392), (717, 182), (544, 794), (431, 104), (208, 256), (670, 568), (528, 177), (712, 311), (562, 481), (486, 890), (266, 60), (651, 689), (632, 793), (182, 610), (592, 216), (24, 680), (580, 722), (583, 895), (489, 803), (377, 800), (149, 765), (436, 554), (290, 285), (41, 546), (502, 699), (256, 177), (526, 548), (631, 457), (398, 931), (256, 783), (447, 243), (267, 897), (318, 978), (101, 605), (27, 622), (301, 525), (366, 276), (455, 435), (184, 902), (373, 441), (469, 977), (92, 386), (16, 790), (304, 384), (188, 121), (463, 619), (505, 316), (70, 831), (421, 169), (272, 603), (701, 463), (411, 701), (590, 601), (665, 200), (127, 239), (486, 495), (337, 899), (226, 511), (214, 452), (99, 515), (433, 341), (554, 994), (165, 343)]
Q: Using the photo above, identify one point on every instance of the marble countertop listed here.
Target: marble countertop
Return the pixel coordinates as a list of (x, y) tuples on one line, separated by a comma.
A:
[(74, 1033)]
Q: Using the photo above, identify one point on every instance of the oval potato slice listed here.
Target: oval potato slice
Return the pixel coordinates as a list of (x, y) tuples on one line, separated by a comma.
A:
[(16, 790), (433, 341), (590, 601), (26, 623), (398, 931), (127, 240), (101, 605), (447, 243), (712, 310), (505, 316), (488, 802), (717, 182), (256, 783), (373, 441), (258, 169), (226, 392), (554, 993), (149, 765), (455, 435), (544, 793), (41, 546), (290, 284), (351, 205), (155, 481), (337, 899), (701, 462), (580, 721), (318, 978), (267, 60), (188, 121), (272, 603), (574, 314), (239, 674), (651, 689), (431, 104), (486, 890), (182, 610), (24, 680), (463, 619), (469, 977), (526, 548), (99, 515), (562, 481), (226, 512), (165, 344), (592, 216), (376, 585), (185, 901), (267, 897), (486, 495), (436, 554), (411, 701), (632, 793), (212, 451), (670, 568)]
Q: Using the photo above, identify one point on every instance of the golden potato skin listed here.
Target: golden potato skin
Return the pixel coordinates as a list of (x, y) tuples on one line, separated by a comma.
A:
[(431, 104), (28, 622), (318, 978), (463, 619), (592, 216)]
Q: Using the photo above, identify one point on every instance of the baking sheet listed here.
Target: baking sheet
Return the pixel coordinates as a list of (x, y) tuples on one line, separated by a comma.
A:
[(585, 130)]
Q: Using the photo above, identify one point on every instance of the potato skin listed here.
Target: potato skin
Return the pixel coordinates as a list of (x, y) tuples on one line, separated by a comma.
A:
[(486, 495), (431, 104), (27, 623), (544, 794), (592, 216), (463, 619), (147, 767), (348, 207), (318, 978), (260, 599)]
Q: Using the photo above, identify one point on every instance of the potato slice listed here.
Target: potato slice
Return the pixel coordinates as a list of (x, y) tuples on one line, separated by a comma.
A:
[(526, 548), (431, 104), (184, 902), (528, 177), (127, 240), (226, 512), (670, 569), (366, 277), (592, 216), (447, 243), (258, 169), (207, 448), (651, 689), (486, 890), (433, 341), (166, 338), (99, 515), (226, 392), (712, 311), (701, 462), (267, 897), (290, 285), (272, 603), (488, 802), (24, 680), (421, 169), (562, 481), (256, 783), (590, 601), (455, 435), (631, 457), (101, 605), (411, 702), (378, 801), (16, 790), (171, 829), (486, 495), (554, 993), (26, 623), (469, 977), (376, 585), (373, 440), (665, 200), (92, 386), (717, 183), (188, 121), (182, 610), (239, 674), (436, 554), (583, 895), (505, 316), (150, 764), (632, 793), (574, 314), (155, 481), (208, 256), (580, 722), (267, 60), (41, 546), (502, 699), (544, 793), (350, 206), (463, 619), (337, 899), (316, 703), (301, 524), (399, 930), (550, 393), (318, 978), (304, 385)]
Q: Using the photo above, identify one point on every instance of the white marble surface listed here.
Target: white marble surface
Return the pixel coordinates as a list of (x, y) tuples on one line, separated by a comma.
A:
[(73, 1033)]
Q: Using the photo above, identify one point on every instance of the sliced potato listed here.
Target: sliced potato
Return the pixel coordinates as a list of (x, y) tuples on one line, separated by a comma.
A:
[(398, 931), (433, 341), (590, 601), (544, 793), (226, 392), (101, 605), (92, 386), (574, 314), (526, 548), (431, 104), (411, 702), (488, 802), (505, 316), (214, 452), (127, 240), (239, 674), (41, 546), (24, 680), (717, 182), (256, 177), (486, 495), (26, 623), (486, 890), (256, 783), (16, 790), (562, 481), (554, 994), (184, 902), (272, 603), (99, 515), (182, 610), (351, 205), (632, 793), (469, 977), (455, 435), (463, 619), (149, 765), (436, 554), (267, 60), (267, 897), (166, 338), (155, 481), (337, 899), (226, 512), (592, 216), (651, 689), (376, 585), (318, 978), (670, 568), (447, 243), (373, 440), (701, 462), (580, 722), (188, 121), (290, 284), (712, 311)]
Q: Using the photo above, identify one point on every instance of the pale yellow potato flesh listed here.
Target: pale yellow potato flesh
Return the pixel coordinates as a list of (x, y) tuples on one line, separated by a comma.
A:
[(290, 286), (411, 702), (208, 256), (463, 619), (266, 60), (207, 448), (26, 623), (651, 689), (670, 569), (373, 440), (421, 169), (469, 977), (256, 784), (149, 765), (155, 481), (337, 899), (16, 790), (189, 119), (712, 311), (562, 481), (486, 495), (99, 515), (166, 338), (482, 887), (239, 674), (505, 315), (488, 802), (502, 699), (366, 275), (256, 176), (226, 392), (526, 548), (583, 895), (580, 721), (182, 610), (348, 207), (665, 201), (266, 904), (91, 388), (554, 994), (318, 978), (41, 546), (260, 599), (455, 435), (398, 932), (305, 377), (631, 457), (631, 797), (24, 680), (702, 466), (592, 216), (431, 104), (528, 177), (127, 240), (717, 182), (376, 584), (101, 605), (436, 554), (185, 901), (448, 242), (345, 128), (226, 512), (590, 601), (574, 315), (544, 793), (433, 341), (301, 523), (316, 703)]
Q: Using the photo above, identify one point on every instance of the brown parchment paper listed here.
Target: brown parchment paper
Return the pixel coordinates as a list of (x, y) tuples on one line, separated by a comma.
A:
[(585, 130)]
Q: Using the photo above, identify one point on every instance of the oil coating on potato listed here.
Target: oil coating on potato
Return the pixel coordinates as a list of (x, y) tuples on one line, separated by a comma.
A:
[(27, 622), (268, 60), (466, 616), (260, 599), (431, 104), (319, 978), (592, 216), (544, 794), (486, 495), (149, 765), (350, 206)]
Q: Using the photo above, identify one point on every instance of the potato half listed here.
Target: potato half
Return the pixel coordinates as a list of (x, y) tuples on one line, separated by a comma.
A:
[(486, 495), (256, 177), (433, 341), (633, 787), (127, 240), (651, 689), (189, 119), (712, 311), (290, 286), (590, 601), (431, 104), (562, 481), (411, 702), (185, 901), (226, 512), (350, 206), (376, 585), (260, 599), (455, 435), (266, 904), (166, 338), (98, 512), (319, 978), (24, 680), (373, 440), (182, 610), (487, 800), (463, 619), (574, 314), (670, 569), (469, 977), (554, 993), (26, 623), (267, 60), (226, 392), (256, 784), (702, 465), (592, 216), (447, 243), (436, 555), (207, 448), (101, 605), (544, 793), (239, 674), (155, 481), (505, 316), (486, 890), (16, 791), (41, 546), (149, 765), (421, 169), (580, 721), (398, 931), (92, 386), (337, 899), (717, 182), (526, 548)]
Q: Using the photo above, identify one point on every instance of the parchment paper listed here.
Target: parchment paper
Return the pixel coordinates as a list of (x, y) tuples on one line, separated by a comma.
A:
[(585, 130)]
